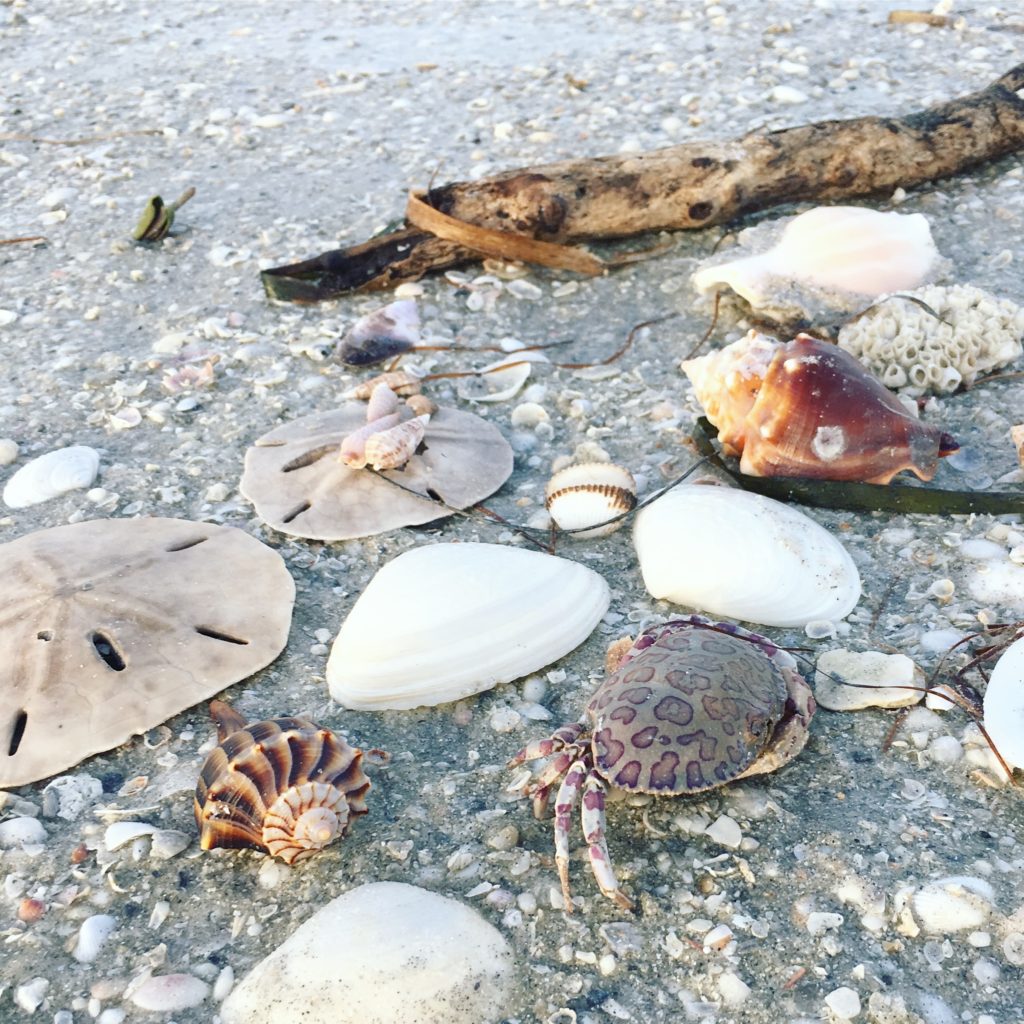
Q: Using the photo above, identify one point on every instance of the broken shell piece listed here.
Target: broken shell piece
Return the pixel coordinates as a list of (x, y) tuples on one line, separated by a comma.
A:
[(964, 333), (300, 488), (743, 556), (445, 621), (52, 474), (285, 785), (827, 261), (851, 680), (382, 334), (807, 408), (501, 380), (1004, 705), (114, 626), (400, 381), (590, 493)]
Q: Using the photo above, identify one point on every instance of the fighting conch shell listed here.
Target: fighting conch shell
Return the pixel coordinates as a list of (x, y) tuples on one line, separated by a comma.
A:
[(807, 408)]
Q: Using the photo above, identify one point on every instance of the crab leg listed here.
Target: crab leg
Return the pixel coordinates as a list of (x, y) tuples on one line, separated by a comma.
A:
[(568, 794), (593, 833), (558, 740)]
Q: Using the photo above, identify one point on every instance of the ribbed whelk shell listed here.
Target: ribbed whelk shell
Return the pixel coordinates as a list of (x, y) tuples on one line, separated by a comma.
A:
[(830, 259), (284, 785), (589, 493), (743, 556), (52, 474), (807, 408), (445, 621)]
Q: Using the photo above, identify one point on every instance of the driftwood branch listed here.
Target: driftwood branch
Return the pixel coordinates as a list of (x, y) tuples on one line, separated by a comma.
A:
[(693, 185)]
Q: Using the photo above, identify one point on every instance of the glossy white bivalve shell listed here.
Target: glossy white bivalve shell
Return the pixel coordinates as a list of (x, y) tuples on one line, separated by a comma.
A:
[(743, 556), (445, 621), (838, 252), (1004, 705), (590, 493), (52, 474)]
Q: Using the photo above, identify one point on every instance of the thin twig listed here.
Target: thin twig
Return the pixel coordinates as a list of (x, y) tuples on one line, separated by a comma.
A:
[(26, 238)]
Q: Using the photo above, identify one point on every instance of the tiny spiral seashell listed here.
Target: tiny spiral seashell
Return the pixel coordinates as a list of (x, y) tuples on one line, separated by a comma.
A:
[(589, 494), (392, 448), (284, 785)]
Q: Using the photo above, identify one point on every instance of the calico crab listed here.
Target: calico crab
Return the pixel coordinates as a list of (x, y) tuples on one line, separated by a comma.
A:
[(691, 705)]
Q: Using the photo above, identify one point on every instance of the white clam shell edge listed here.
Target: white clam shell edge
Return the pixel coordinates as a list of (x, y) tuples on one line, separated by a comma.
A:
[(52, 474), (1003, 709), (743, 556), (446, 621)]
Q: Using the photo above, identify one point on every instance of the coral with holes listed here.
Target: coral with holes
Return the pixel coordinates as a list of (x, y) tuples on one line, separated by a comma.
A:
[(965, 332), (111, 627)]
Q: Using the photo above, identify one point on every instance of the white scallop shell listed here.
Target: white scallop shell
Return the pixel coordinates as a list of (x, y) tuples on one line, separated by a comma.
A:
[(52, 474), (836, 251), (590, 493), (1004, 705), (445, 621), (743, 556)]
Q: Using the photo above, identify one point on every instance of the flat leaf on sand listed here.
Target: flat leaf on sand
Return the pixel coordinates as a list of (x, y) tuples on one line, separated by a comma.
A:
[(112, 626), (294, 478)]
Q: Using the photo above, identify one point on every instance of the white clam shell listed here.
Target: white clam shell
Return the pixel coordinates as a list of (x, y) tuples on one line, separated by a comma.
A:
[(743, 556), (1004, 705), (501, 380), (52, 474), (445, 621), (849, 250), (590, 493)]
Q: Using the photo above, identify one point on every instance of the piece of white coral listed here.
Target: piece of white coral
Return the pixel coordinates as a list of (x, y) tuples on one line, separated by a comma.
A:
[(908, 348)]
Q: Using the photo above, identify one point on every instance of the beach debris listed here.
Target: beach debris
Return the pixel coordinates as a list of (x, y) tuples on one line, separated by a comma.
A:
[(588, 494), (285, 786), (854, 680), (935, 339), (692, 705), (158, 217), (823, 264), (52, 474), (300, 486), (168, 993), (92, 934), (114, 626), (806, 408), (503, 379), (446, 621), (381, 953), (744, 556)]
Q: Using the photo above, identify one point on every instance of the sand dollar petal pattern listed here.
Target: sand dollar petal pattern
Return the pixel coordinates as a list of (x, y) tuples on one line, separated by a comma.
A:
[(110, 627)]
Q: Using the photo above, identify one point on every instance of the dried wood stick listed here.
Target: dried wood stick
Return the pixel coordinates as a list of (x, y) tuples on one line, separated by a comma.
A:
[(693, 185)]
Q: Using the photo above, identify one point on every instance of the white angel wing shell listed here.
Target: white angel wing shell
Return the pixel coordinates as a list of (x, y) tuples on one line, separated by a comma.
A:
[(1004, 705), (445, 621), (743, 556)]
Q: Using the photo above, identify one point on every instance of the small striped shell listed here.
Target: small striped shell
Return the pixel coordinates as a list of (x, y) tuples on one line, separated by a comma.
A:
[(590, 493), (389, 449), (285, 786)]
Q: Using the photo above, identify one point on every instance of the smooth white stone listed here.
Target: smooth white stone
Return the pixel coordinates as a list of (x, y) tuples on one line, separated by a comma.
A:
[(8, 451), (30, 994), (733, 989), (956, 904), (945, 749), (167, 993), (22, 831), (818, 923), (383, 952), (224, 984), (725, 831), (94, 932), (52, 474), (843, 1002), (882, 680)]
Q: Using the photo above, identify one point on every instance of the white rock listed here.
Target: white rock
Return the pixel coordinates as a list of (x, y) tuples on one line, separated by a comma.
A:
[(818, 922), (383, 952), (945, 750), (998, 583), (881, 680), (224, 984), (733, 989), (23, 831), (956, 904), (843, 1002), (74, 794), (112, 1015), (8, 451), (7, 317), (94, 932), (787, 94), (30, 994), (725, 831), (167, 993), (53, 474)]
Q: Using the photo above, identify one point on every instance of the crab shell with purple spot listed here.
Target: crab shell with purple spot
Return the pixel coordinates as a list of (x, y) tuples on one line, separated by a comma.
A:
[(695, 704)]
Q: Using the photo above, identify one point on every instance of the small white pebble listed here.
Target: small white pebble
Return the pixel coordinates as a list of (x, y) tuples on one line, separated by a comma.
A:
[(987, 971), (819, 629), (819, 923), (224, 984), (843, 1002), (505, 719), (21, 832), (718, 938), (167, 993), (217, 492), (112, 1015), (725, 831), (787, 94), (980, 940), (733, 989), (945, 749), (30, 994), (527, 902), (8, 451), (271, 874), (607, 964)]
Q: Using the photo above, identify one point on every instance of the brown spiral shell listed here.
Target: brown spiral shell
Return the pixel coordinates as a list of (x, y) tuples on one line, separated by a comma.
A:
[(807, 408), (285, 785)]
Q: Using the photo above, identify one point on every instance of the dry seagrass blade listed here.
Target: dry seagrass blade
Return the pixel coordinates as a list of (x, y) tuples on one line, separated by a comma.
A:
[(294, 478), (110, 627)]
